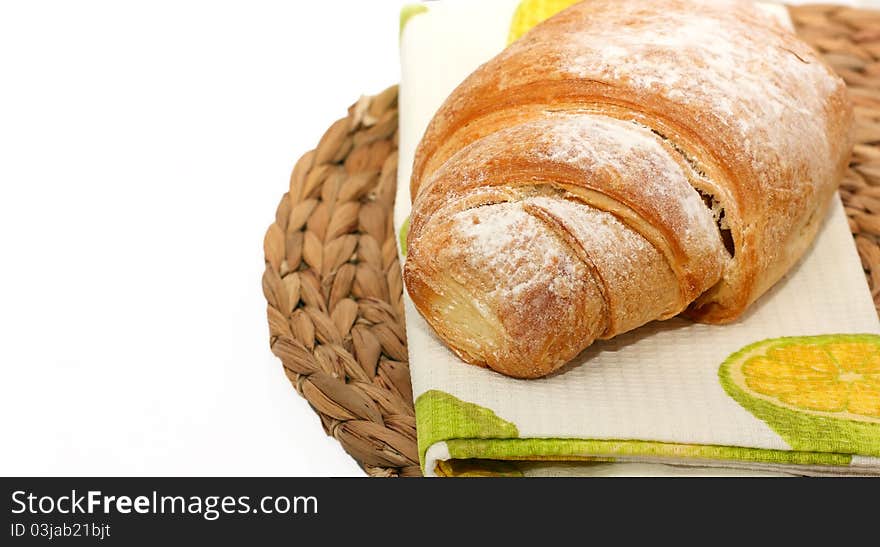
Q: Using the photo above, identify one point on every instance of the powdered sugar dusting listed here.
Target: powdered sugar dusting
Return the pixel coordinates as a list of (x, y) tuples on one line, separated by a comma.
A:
[(598, 231), (639, 284), (738, 64), (593, 143), (583, 138), (503, 238)]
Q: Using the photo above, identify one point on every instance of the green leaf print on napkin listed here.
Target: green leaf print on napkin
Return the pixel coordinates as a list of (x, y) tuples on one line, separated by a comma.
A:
[(440, 417), (404, 231)]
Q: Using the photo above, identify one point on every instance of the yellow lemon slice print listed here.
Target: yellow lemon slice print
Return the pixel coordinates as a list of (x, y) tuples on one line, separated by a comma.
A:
[(531, 12), (820, 393)]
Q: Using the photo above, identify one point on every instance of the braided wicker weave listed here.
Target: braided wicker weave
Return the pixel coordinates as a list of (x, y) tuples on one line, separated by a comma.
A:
[(332, 278)]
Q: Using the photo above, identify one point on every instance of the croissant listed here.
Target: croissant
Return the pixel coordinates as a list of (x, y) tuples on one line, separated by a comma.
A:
[(623, 162)]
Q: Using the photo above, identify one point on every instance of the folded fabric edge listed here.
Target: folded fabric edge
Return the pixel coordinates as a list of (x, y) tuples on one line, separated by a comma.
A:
[(409, 11), (507, 457)]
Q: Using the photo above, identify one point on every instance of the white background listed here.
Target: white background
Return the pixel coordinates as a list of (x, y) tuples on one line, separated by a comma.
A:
[(143, 149)]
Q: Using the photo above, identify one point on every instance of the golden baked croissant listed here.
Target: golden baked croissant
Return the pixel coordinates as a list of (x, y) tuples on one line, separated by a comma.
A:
[(622, 162)]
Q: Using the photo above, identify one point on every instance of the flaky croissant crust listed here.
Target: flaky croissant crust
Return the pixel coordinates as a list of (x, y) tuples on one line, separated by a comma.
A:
[(622, 162)]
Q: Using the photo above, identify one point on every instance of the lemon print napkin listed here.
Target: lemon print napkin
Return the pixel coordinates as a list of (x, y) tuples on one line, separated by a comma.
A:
[(793, 388)]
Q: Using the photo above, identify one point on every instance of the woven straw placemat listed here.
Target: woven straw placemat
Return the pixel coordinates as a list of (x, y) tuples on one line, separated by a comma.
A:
[(332, 278)]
